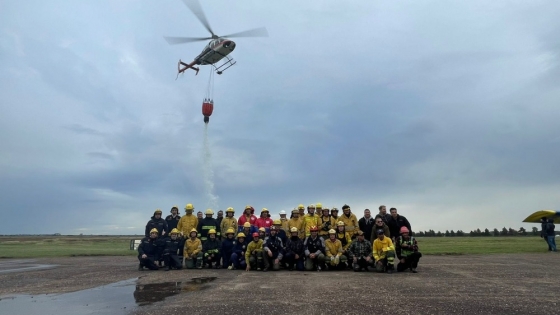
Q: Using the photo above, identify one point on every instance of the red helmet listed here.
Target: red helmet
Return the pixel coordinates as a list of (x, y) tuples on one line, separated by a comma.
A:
[(256, 234), (404, 230), (314, 228)]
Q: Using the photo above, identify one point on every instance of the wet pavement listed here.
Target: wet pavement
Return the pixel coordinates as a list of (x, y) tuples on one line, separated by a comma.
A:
[(117, 298), (21, 265), (154, 292), (467, 284)]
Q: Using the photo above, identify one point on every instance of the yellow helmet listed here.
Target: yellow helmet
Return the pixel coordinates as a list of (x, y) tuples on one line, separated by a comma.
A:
[(230, 231), (301, 206), (319, 205), (246, 224), (262, 229), (157, 211), (189, 206), (193, 230), (230, 209), (154, 230), (264, 210), (241, 234), (340, 223), (211, 231), (209, 211), (174, 231), (294, 229), (277, 222), (331, 231)]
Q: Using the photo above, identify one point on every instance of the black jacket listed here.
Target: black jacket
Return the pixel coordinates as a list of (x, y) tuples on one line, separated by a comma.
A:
[(396, 224), (205, 225), (366, 225), (150, 246), (171, 222), (294, 245), (172, 246), (550, 229), (160, 224)]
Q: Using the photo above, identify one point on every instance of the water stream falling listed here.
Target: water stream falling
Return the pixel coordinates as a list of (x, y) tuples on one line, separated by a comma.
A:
[(211, 198)]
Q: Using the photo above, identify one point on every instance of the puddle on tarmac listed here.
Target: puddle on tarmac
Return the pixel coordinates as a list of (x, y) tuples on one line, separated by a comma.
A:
[(155, 292), (116, 298)]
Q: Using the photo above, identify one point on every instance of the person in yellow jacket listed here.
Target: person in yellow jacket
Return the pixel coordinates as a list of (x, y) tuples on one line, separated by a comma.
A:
[(284, 220), (334, 216), (187, 222), (333, 248), (301, 209), (325, 223), (253, 255), (229, 222), (310, 219), (192, 252), (350, 221), (344, 238), (383, 253), (295, 222)]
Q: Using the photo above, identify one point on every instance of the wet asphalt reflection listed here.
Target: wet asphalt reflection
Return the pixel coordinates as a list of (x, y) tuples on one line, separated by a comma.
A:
[(116, 298)]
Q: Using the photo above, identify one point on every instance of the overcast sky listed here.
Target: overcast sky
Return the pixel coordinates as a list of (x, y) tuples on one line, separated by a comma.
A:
[(446, 110)]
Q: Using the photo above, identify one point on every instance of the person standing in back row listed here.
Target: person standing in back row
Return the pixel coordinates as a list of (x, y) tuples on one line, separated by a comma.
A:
[(172, 219), (384, 215), (366, 224), (396, 223)]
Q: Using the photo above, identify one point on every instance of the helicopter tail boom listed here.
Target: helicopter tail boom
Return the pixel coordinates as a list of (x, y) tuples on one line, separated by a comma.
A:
[(186, 66)]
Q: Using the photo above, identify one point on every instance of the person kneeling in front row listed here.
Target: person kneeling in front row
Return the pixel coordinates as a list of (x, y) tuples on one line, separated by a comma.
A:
[(383, 253), (407, 251), (192, 252)]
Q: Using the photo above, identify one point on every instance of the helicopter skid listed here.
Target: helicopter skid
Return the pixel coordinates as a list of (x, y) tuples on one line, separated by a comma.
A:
[(186, 67), (227, 64)]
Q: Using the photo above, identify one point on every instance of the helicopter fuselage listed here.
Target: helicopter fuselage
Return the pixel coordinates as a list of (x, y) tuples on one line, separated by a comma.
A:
[(215, 51)]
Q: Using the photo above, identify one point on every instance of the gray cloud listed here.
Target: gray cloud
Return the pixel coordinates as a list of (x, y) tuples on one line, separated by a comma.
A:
[(446, 111)]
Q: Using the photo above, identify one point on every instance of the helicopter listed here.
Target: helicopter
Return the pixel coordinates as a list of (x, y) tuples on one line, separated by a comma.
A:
[(217, 49)]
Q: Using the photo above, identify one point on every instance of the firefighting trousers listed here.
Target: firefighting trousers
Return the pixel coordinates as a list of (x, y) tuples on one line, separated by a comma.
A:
[(148, 262), (411, 261)]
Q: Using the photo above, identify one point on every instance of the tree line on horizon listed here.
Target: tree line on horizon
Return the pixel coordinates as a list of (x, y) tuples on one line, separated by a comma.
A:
[(504, 232)]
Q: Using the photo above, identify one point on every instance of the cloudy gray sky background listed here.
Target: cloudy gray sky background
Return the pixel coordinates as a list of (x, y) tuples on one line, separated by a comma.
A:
[(446, 110)]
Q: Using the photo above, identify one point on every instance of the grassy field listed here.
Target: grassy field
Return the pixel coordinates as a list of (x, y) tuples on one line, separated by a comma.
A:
[(481, 245), (55, 246)]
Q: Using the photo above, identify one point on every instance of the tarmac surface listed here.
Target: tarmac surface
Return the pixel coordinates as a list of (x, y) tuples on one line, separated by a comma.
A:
[(490, 284)]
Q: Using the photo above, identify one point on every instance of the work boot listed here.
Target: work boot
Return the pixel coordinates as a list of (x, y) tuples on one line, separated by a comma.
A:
[(230, 267), (413, 270), (167, 268), (140, 267), (318, 268)]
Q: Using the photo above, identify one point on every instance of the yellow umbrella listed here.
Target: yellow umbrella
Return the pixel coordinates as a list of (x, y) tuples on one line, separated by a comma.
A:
[(537, 216)]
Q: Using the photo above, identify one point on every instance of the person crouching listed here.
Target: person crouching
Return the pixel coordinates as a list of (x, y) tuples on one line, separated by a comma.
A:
[(211, 249), (148, 251), (383, 253), (171, 249), (407, 251), (273, 248)]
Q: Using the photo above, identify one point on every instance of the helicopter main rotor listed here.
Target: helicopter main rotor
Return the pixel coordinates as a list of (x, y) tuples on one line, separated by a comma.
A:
[(196, 9)]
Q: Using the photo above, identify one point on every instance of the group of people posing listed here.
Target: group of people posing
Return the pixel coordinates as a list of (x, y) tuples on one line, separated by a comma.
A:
[(317, 240)]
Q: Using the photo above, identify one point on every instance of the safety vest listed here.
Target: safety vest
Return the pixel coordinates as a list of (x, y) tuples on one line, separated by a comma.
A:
[(405, 252)]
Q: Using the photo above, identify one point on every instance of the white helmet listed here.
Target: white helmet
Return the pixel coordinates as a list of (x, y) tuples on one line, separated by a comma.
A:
[(282, 212)]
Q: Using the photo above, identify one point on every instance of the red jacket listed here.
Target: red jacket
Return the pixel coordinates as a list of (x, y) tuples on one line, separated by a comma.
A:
[(243, 219), (264, 222)]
